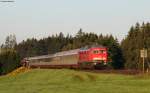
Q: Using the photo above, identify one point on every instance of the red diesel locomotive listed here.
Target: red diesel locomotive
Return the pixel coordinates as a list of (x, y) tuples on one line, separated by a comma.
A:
[(78, 58), (93, 56)]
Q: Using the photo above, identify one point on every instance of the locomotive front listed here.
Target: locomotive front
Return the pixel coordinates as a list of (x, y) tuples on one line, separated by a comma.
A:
[(93, 56), (98, 55)]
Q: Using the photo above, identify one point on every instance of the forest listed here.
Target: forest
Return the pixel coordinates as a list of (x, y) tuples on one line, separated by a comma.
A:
[(123, 55)]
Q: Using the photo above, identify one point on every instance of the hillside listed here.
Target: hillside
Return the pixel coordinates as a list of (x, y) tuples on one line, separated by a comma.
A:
[(70, 81)]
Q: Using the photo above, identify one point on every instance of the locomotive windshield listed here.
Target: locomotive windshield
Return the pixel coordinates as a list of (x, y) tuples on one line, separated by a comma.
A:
[(98, 51), (95, 52)]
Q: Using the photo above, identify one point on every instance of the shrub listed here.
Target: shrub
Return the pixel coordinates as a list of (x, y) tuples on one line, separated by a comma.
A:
[(9, 60)]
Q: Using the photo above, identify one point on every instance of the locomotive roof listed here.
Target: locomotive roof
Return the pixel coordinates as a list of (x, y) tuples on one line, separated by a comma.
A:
[(92, 46)]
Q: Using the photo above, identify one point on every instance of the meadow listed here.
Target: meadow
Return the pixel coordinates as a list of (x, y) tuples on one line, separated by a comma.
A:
[(70, 81)]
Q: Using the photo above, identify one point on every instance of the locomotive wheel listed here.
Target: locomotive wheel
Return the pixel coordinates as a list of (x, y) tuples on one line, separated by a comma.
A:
[(100, 66)]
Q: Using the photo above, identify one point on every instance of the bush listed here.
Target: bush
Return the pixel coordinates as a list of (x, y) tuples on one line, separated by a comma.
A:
[(9, 60)]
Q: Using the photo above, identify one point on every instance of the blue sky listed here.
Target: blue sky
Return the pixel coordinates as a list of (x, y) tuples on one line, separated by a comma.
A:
[(41, 18)]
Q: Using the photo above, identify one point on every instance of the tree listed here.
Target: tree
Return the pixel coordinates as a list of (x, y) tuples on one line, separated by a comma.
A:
[(9, 60), (10, 42)]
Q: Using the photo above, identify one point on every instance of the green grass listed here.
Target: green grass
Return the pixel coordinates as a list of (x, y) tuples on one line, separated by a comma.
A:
[(70, 81)]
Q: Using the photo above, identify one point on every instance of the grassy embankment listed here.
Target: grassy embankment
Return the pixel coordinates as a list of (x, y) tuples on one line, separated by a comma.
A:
[(69, 81)]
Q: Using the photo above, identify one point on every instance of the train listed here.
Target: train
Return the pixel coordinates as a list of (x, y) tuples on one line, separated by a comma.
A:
[(85, 57)]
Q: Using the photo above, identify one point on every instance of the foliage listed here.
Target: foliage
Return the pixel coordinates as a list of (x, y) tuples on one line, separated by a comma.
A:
[(10, 42), (137, 39), (9, 60)]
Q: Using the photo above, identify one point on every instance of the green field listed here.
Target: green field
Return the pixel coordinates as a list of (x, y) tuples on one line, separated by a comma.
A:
[(70, 81)]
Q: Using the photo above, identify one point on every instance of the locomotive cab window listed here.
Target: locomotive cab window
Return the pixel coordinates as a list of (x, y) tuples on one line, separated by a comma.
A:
[(95, 52), (101, 51), (104, 52)]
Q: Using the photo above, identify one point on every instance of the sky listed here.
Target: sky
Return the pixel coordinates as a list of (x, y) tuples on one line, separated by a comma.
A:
[(42, 18)]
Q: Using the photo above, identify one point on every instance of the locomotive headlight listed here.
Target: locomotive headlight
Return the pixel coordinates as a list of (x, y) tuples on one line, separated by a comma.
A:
[(104, 58), (97, 58), (94, 63)]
